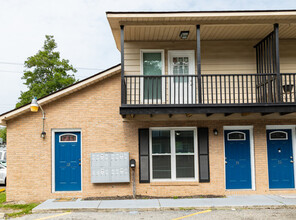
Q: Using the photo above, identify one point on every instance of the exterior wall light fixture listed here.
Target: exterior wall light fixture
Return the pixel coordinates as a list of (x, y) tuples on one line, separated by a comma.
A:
[(215, 131), (184, 35), (34, 108)]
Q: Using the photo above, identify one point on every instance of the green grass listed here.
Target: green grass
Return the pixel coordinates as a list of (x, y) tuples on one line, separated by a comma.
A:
[(2, 197), (22, 209), (186, 209)]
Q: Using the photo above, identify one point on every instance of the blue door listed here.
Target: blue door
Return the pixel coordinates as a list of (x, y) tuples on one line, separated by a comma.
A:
[(280, 159), (67, 161), (237, 159)]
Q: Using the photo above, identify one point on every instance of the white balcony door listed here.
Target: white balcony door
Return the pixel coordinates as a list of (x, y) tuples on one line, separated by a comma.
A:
[(182, 85)]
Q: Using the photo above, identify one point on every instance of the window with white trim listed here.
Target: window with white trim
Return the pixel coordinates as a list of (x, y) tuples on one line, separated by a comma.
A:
[(173, 154), (236, 136), (278, 135), (68, 138)]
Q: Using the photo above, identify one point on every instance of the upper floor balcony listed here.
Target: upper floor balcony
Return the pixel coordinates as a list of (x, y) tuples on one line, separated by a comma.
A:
[(213, 89), (229, 62)]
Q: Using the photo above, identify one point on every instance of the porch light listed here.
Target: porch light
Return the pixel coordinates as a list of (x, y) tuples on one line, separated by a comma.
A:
[(215, 131), (184, 35), (34, 105), (34, 108)]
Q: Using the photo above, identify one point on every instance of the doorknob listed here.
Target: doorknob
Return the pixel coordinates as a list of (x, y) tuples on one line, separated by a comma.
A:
[(225, 162), (291, 161), (79, 164)]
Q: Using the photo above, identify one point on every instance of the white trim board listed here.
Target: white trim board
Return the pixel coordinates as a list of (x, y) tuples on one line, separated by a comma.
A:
[(269, 127), (53, 131), (293, 132), (253, 175)]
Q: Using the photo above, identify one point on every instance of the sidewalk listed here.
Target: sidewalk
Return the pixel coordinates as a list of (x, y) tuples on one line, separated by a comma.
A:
[(247, 201)]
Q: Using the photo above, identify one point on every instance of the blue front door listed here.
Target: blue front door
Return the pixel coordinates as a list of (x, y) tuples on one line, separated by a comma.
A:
[(237, 159), (67, 161), (280, 159)]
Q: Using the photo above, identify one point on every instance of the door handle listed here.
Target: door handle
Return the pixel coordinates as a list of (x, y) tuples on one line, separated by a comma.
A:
[(291, 161), (79, 164), (225, 162)]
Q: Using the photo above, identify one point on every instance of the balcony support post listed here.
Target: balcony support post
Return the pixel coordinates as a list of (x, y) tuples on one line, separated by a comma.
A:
[(198, 62), (123, 90), (277, 61)]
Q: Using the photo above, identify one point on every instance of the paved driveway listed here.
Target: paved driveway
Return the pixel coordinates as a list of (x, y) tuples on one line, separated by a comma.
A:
[(169, 215)]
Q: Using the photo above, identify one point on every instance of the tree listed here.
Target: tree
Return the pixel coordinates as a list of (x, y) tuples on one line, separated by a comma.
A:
[(45, 73), (3, 134)]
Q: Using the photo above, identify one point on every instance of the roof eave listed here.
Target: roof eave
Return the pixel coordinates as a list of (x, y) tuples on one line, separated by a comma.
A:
[(61, 93)]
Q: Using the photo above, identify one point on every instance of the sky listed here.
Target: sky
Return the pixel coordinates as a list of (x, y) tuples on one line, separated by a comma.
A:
[(82, 32)]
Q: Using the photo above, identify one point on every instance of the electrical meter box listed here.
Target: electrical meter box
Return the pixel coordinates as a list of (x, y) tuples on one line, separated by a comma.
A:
[(110, 167)]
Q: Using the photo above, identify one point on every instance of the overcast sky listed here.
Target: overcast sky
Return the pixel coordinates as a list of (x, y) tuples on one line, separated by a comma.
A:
[(81, 31)]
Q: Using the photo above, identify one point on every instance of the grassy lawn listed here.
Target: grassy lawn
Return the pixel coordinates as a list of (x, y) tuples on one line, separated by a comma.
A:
[(20, 209)]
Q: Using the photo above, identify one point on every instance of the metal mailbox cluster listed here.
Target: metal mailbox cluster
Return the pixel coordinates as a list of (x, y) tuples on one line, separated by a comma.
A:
[(110, 167)]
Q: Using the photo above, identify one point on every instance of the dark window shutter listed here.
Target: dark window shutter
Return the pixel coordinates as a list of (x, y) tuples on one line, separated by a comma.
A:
[(203, 155), (144, 155)]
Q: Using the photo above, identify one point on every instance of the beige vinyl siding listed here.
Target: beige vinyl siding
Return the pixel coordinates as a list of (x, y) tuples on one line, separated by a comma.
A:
[(217, 57), (288, 56)]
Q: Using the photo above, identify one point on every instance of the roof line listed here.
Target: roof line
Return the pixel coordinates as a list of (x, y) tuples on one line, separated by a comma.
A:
[(174, 12), (63, 88)]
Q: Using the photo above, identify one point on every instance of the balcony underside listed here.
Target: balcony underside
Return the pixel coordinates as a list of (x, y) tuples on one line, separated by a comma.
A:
[(282, 108)]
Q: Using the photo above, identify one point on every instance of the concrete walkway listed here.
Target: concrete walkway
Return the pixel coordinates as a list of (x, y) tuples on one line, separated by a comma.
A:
[(250, 201)]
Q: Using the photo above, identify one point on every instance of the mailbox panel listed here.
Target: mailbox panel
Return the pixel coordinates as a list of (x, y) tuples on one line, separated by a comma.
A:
[(110, 167)]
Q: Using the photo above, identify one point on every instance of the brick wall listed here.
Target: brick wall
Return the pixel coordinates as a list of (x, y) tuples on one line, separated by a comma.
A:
[(95, 110)]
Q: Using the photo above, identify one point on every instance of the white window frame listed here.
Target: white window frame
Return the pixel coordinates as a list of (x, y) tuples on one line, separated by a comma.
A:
[(162, 100), (233, 132), (173, 154), (189, 53), (65, 135), (278, 139)]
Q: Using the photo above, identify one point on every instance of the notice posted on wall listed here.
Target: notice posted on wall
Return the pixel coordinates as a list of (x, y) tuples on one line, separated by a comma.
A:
[(110, 167)]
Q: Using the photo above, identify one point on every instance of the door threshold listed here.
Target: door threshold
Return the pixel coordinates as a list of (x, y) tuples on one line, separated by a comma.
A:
[(283, 189), (80, 191), (231, 190)]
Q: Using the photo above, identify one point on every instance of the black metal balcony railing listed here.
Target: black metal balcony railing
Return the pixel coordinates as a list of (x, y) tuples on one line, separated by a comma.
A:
[(229, 89)]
